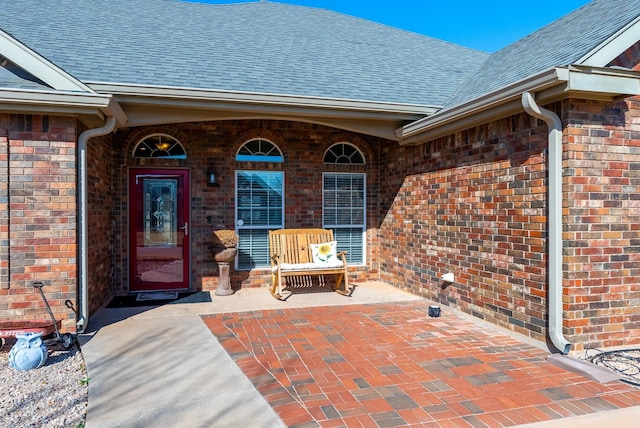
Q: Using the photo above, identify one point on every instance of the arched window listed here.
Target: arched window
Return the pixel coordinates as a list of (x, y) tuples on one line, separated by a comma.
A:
[(343, 153), (344, 201), (159, 146), (259, 150), (259, 203)]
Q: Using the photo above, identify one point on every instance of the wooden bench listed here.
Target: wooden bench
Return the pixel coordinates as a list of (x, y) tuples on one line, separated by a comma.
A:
[(291, 252)]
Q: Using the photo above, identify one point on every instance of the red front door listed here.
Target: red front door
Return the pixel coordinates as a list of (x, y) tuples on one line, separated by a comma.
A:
[(158, 229)]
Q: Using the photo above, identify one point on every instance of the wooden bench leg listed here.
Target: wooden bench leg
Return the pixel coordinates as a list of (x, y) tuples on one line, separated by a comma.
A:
[(276, 288), (339, 278)]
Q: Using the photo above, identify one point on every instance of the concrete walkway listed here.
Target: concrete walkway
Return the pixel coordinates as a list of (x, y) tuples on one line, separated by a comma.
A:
[(163, 367)]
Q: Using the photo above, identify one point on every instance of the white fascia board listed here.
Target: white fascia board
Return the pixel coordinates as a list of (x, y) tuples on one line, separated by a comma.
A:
[(195, 94), (538, 82), (611, 48), (612, 81), (52, 102), (35, 64), (56, 98)]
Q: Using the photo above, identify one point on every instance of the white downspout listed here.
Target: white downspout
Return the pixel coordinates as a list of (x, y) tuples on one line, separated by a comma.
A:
[(554, 223), (83, 298)]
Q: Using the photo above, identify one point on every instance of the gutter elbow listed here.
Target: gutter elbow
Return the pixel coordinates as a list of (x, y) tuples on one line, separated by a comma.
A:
[(559, 341), (531, 107)]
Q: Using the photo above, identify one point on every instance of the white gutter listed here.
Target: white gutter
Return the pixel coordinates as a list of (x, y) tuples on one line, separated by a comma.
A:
[(83, 298), (554, 223), (164, 94), (53, 98), (57, 102), (552, 84), (490, 100)]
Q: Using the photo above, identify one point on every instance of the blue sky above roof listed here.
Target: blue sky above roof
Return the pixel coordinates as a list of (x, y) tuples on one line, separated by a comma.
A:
[(487, 26), (561, 43)]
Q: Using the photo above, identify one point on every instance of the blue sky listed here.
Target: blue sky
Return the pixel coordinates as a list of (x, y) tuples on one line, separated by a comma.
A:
[(485, 25)]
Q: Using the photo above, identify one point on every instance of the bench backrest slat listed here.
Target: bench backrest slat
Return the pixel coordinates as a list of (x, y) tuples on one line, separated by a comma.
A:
[(294, 245)]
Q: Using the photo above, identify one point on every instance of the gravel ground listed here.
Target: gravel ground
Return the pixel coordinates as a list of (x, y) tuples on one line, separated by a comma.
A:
[(55, 395)]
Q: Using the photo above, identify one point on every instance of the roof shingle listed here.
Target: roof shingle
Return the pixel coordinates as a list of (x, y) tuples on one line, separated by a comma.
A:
[(561, 43), (260, 47)]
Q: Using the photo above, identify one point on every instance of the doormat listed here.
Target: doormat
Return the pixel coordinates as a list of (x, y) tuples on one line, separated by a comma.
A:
[(132, 300), (157, 295)]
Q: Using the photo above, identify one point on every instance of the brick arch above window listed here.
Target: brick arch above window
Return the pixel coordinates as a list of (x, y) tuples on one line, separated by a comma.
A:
[(159, 145), (343, 154)]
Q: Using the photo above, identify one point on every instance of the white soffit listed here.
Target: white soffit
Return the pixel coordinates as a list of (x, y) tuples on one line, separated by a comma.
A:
[(613, 46), (33, 63)]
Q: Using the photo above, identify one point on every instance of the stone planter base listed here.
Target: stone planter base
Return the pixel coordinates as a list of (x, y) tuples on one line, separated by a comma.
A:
[(224, 256)]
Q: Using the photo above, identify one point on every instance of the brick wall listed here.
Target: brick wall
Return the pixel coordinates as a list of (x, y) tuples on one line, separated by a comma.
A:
[(602, 211), (4, 218), (100, 221), (473, 203), (37, 225), (213, 145)]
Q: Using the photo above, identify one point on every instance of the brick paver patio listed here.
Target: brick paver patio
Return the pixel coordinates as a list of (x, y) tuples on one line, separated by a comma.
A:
[(389, 365)]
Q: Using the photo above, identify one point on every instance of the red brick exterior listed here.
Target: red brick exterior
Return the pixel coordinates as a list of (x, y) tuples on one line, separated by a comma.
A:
[(602, 212), (213, 145), (473, 203), (629, 58), (38, 220), (101, 207)]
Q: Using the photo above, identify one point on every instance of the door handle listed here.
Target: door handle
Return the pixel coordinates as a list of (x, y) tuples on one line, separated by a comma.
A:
[(185, 228)]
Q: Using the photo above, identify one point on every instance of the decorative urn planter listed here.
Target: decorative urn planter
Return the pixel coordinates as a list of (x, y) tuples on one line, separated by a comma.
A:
[(224, 253)]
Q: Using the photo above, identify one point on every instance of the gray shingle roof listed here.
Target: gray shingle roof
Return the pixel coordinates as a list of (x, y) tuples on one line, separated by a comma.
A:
[(262, 47), (273, 48), (561, 43)]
